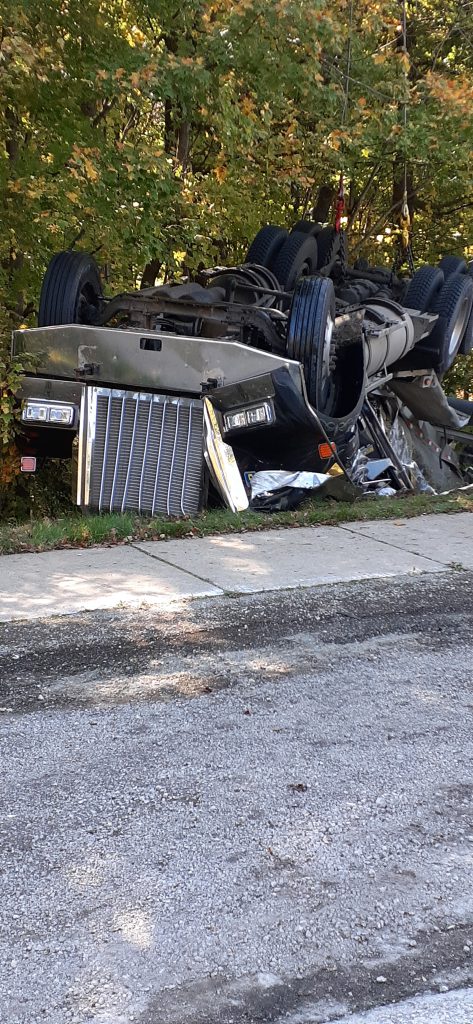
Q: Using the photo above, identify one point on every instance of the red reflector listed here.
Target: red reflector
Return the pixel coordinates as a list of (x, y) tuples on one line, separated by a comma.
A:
[(327, 450), (28, 464)]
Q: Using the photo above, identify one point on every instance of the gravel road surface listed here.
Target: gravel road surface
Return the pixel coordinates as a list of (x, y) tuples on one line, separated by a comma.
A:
[(255, 809)]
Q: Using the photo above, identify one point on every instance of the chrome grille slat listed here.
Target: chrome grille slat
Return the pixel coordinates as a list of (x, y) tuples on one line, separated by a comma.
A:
[(173, 459), (145, 455), (130, 457), (184, 477), (117, 454), (145, 452), (158, 467), (105, 450)]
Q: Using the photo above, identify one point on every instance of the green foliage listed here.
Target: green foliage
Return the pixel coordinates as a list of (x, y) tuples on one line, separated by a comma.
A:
[(170, 131)]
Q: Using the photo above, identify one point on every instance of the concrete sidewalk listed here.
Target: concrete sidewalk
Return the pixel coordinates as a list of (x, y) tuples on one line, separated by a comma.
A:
[(164, 573)]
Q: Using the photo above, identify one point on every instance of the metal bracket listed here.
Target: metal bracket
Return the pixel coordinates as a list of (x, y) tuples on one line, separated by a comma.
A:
[(87, 370)]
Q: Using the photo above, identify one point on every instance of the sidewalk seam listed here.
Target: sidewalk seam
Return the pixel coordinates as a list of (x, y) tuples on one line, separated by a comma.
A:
[(172, 565), (390, 544)]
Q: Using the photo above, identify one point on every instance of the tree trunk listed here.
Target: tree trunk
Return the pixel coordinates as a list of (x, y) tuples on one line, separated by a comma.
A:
[(183, 139), (150, 274), (168, 128), (324, 203)]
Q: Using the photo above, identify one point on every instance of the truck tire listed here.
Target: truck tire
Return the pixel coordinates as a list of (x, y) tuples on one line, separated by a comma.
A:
[(454, 305), (438, 351), (424, 288), (366, 289), (306, 227), (266, 245), (309, 335), (297, 258), (349, 295), (71, 290), (328, 241), (453, 265)]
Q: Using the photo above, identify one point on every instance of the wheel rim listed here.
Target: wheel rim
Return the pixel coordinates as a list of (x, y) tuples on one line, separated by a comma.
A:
[(459, 326), (325, 378)]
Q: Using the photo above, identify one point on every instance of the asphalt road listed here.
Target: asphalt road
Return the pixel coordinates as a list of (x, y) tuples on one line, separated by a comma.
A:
[(258, 809)]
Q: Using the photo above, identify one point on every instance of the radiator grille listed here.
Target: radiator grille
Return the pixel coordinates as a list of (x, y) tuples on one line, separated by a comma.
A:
[(142, 452)]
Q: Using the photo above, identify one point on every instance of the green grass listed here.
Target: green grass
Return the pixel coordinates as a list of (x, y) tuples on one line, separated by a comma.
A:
[(78, 531)]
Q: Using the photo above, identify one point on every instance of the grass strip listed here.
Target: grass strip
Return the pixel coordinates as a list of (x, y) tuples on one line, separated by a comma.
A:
[(78, 531)]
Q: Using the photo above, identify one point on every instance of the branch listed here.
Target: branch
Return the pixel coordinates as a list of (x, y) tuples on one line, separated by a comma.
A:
[(395, 208), (106, 108), (77, 238), (454, 209), (362, 196), (132, 121)]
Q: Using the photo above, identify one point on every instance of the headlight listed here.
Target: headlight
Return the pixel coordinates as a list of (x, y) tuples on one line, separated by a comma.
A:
[(39, 413), (61, 414), (57, 414), (254, 417), (234, 420)]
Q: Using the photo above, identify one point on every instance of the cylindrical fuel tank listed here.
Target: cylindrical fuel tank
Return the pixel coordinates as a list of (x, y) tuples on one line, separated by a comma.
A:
[(389, 334)]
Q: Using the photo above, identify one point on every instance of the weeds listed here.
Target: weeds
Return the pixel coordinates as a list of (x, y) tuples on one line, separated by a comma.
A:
[(78, 531)]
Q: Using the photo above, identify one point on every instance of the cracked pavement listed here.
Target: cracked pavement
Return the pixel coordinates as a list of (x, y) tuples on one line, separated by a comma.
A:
[(250, 808)]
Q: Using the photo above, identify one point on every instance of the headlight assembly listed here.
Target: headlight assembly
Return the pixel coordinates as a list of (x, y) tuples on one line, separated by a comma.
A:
[(257, 415)]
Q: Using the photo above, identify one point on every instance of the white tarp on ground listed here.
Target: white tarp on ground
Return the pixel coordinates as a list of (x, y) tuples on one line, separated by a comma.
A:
[(268, 481)]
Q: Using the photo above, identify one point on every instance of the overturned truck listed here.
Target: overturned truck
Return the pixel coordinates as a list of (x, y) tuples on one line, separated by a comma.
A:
[(291, 362)]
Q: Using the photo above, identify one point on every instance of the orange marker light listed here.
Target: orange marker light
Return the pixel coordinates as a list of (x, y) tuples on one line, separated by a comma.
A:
[(327, 450)]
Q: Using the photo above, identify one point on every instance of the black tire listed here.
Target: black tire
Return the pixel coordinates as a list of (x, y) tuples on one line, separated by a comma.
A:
[(348, 295), (454, 305), (365, 289), (424, 289), (71, 290), (297, 258), (439, 349), (306, 227), (361, 294), (452, 265), (467, 341), (383, 271), (328, 241), (309, 334), (372, 286), (266, 245)]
